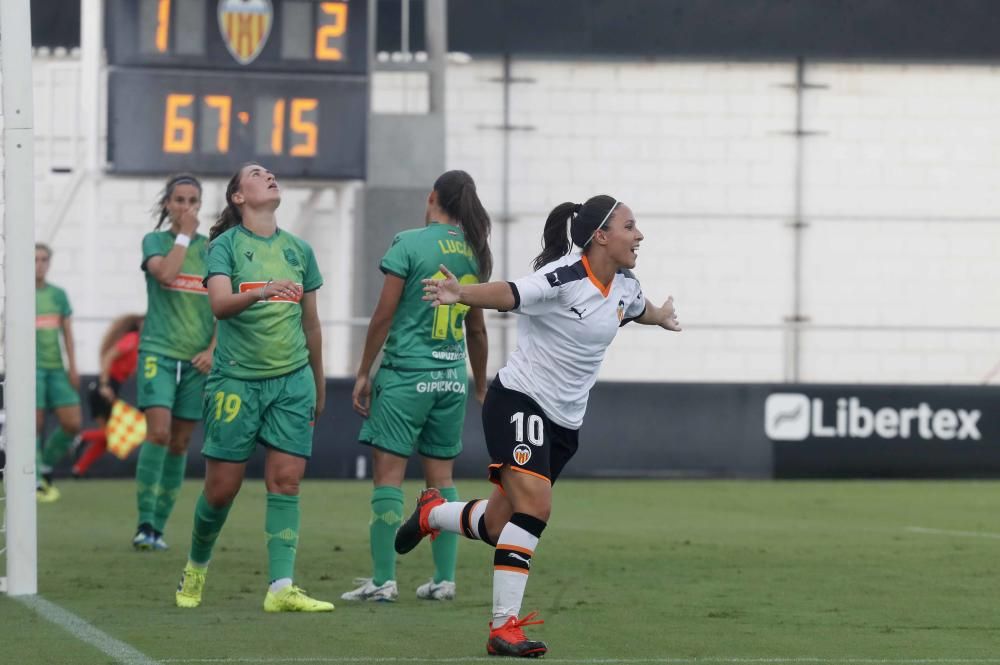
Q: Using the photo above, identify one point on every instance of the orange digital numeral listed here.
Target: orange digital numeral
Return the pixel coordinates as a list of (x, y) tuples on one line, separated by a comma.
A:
[(278, 128), (178, 131), (162, 25), (305, 128), (330, 31), (224, 104)]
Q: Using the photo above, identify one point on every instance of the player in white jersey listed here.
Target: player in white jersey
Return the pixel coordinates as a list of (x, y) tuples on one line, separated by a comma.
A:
[(572, 307)]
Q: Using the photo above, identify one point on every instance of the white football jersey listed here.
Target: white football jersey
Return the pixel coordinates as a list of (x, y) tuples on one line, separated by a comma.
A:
[(568, 320)]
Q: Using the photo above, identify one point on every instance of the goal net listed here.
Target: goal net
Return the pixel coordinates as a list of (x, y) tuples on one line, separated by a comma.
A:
[(18, 535)]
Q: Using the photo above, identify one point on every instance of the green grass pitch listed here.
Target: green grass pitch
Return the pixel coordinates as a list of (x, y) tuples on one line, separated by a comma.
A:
[(628, 571)]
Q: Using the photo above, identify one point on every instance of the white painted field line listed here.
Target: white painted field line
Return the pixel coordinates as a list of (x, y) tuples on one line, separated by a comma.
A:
[(120, 651), (945, 532), (605, 661)]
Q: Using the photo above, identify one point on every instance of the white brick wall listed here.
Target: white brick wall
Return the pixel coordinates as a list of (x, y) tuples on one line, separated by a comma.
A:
[(702, 154), (3, 261)]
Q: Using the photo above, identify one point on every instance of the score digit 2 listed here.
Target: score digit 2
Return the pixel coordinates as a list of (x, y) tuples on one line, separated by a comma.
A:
[(274, 123)]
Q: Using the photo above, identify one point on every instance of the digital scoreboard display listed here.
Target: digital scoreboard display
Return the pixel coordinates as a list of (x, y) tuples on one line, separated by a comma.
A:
[(276, 35), (206, 85)]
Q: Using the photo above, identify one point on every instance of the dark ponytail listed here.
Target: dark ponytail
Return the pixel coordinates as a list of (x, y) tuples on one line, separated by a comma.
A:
[(160, 210), (230, 215), (555, 240), (457, 196), (584, 220)]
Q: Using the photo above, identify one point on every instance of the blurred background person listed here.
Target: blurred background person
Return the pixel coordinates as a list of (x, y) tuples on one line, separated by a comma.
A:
[(56, 385), (119, 356)]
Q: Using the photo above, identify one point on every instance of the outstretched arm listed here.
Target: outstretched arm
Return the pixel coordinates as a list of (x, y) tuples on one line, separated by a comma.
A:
[(447, 291), (664, 316), (202, 360), (476, 338), (68, 341), (104, 378), (313, 330), (378, 330)]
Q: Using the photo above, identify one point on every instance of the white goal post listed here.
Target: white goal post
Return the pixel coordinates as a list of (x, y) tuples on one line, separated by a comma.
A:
[(18, 300)]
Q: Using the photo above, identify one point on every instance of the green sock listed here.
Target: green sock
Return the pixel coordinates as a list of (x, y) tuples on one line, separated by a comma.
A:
[(387, 515), (281, 528), (147, 480), (170, 488), (445, 546), (208, 523), (56, 447)]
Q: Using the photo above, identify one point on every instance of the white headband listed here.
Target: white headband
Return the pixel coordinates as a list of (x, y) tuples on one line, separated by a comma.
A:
[(603, 222)]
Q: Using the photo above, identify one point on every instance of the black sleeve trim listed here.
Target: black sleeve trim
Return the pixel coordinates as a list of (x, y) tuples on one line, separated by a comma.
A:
[(632, 318), (210, 275), (566, 274), (391, 272), (517, 297)]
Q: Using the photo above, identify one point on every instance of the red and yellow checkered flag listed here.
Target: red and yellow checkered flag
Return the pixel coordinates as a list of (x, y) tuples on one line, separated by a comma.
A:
[(126, 429)]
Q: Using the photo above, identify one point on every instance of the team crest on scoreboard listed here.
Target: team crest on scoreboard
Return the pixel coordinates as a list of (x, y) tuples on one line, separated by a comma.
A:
[(245, 26), (522, 454)]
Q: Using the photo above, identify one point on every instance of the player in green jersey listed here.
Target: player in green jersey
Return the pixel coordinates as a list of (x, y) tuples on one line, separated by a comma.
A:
[(267, 383), (175, 354), (420, 388), (56, 387)]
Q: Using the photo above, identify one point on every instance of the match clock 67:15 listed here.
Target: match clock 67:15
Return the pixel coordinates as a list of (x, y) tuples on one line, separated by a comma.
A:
[(208, 122)]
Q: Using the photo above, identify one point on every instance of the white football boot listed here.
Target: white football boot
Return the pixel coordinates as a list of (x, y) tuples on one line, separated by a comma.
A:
[(436, 590), (387, 593)]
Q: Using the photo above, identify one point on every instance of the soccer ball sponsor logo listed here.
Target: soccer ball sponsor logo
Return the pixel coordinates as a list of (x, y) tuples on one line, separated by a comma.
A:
[(522, 454)]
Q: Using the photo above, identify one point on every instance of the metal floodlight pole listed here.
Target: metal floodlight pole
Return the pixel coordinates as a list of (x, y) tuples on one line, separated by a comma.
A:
[(19, 315), (436, 31)]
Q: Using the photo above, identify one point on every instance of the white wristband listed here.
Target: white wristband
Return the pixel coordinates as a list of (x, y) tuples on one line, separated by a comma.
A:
[(182, 239)]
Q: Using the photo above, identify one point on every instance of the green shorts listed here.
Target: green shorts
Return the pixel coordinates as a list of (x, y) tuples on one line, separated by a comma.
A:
[(422, 410), (53, 389), (171, 383), (276, 412)]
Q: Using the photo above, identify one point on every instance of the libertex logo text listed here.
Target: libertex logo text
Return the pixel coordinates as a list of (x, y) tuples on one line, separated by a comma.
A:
[(796, 417)]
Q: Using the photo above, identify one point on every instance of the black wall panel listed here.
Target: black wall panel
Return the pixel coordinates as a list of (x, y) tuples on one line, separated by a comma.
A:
[(674, 430), (762, 29)]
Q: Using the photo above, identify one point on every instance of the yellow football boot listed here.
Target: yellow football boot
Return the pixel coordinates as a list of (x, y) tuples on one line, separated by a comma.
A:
[(294, 599)]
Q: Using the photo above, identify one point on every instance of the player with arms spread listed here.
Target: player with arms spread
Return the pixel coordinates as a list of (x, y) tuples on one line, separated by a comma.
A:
[(267, 384), (572, 307), (175, 354)]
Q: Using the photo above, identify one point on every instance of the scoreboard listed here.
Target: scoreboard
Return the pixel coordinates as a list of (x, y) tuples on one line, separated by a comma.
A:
[(206, 85)]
